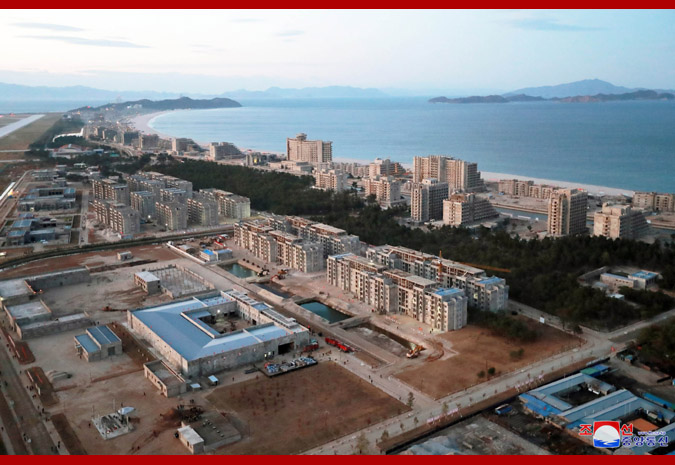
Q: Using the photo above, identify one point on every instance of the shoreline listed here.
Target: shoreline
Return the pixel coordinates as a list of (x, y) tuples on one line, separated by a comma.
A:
[(142, 124)]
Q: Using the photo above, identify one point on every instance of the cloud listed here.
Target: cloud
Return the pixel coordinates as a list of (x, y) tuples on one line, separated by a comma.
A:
[(289, 33), (548, 25), (47, 26), (91, 42)]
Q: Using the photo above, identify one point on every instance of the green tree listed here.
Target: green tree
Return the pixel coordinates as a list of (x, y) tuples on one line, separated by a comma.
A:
[(411, 399)]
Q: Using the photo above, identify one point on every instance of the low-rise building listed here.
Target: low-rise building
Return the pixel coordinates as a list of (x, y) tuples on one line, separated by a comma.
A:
[(654, 201)]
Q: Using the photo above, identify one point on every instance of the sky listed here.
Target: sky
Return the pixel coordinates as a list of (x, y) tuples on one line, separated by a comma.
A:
[(421, 51)]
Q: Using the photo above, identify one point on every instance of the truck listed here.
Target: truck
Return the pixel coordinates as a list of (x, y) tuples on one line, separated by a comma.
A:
[(335, 343)]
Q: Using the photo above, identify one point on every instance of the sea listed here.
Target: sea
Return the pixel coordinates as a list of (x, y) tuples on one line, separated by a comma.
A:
[(628, 145)]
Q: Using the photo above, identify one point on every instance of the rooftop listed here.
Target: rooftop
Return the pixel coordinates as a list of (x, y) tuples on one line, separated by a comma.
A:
[(103, 335), (644, 275), (28, 310)]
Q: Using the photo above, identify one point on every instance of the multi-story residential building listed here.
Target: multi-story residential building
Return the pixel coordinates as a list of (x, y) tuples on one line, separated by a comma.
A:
[(398, 292), (331, 180), (483, 292), (148, 141), (426, 200), (386, 190), (654, 201), (521, 188), (229, 204), (355, 169), (202, 211), (619, 222), (179, 144), (459, 174), (279, 247), (464, 209), (567, 212), (117, 216), (310, 151), (128, 137), (172, 194), (109, 189), (144, 203), (222, 150), (172, 215), (384, 167), (333, 240)]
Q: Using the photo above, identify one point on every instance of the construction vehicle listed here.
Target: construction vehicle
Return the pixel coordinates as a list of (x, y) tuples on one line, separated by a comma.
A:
[(335, 343), (281, 274), (415, 351)]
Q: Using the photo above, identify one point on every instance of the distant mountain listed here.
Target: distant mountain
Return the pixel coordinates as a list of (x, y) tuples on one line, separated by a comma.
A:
[(571, 89), (637, 95), (16, 92), (307, 92), (183, 103)]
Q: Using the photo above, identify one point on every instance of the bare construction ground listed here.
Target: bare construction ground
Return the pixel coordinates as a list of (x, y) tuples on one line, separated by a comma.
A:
[(301, 410), (479, 349), (92, 259)]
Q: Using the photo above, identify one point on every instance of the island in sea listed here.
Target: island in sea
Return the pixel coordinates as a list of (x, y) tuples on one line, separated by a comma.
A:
[(182, 103), (636, 95)]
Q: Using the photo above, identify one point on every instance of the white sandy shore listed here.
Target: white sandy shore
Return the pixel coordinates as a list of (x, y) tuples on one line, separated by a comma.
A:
[(142, 123)]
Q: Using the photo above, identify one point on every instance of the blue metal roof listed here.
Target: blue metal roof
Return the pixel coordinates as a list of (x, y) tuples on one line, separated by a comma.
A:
[(87, 343), (492, 280), (443, 291), (179, 326), (22, 224), (208, 251), (16, 233), (644, 275), (103, 335)]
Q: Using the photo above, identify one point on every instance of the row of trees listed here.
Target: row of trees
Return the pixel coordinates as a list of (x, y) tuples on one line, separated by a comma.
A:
[(657, 346), (280, 193)]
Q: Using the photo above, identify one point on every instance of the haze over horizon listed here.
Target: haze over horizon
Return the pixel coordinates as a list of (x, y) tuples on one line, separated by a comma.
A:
[(419, 52)]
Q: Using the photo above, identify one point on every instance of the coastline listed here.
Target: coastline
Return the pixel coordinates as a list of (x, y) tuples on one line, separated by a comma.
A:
[(142, 124)]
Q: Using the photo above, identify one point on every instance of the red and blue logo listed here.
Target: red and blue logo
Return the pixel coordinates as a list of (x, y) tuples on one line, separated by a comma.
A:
[(607, 434)]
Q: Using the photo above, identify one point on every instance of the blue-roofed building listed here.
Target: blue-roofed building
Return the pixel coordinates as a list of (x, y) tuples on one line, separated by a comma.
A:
[(644, 279), (99, 342), (181, 332), (445, 309)]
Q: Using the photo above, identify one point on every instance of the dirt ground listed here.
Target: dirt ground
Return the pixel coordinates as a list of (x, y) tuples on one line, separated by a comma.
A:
[(143, 252), (477, 348), (301, 410)]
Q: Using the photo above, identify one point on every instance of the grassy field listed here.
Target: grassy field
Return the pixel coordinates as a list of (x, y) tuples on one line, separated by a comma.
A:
[(480, 349), (301, 410), (22, 138)]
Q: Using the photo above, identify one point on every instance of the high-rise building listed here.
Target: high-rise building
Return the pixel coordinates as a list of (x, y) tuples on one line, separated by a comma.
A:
[(310, 151), (619, 222), (463, 209), (384, 167), (459, 174), (172, 194), (331, 180), (229, 204), (426, 200), (386, 190), (567, 212), (179, 144), (148, 141)]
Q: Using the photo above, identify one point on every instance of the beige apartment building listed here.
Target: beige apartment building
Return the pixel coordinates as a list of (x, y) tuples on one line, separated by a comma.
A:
[(229, 204), (460, 175), (109, 189), (333, 240), (310, 151), (654, 201), (521, 188), (384, 167), (202, 211), (144, 203), (426, 200), (465, 209), (331, 180), (222, 151), (171, 215), (567, 212), (117, 216), (386, 190), (619, 222)]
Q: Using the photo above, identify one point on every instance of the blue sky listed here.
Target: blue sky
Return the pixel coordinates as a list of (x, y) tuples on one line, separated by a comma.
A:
[(424, 51)]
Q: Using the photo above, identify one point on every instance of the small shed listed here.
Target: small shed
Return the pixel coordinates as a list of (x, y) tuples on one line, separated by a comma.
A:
[(190, 439), (123, 256)]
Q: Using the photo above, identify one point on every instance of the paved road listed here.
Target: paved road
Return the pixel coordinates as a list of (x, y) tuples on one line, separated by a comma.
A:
[(27, 417), (10, 128)]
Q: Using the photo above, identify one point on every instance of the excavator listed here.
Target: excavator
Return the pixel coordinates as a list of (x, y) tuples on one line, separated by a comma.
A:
[(414, 352), (281, 274)]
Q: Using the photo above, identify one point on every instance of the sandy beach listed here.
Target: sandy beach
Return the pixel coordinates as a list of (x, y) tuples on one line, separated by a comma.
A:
[(142, 123)]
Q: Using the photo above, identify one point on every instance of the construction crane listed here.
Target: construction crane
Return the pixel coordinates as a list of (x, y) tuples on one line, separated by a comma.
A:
[(487, 267)]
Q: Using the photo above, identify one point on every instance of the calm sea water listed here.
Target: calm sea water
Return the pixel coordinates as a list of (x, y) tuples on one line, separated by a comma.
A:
[(629, 145)]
